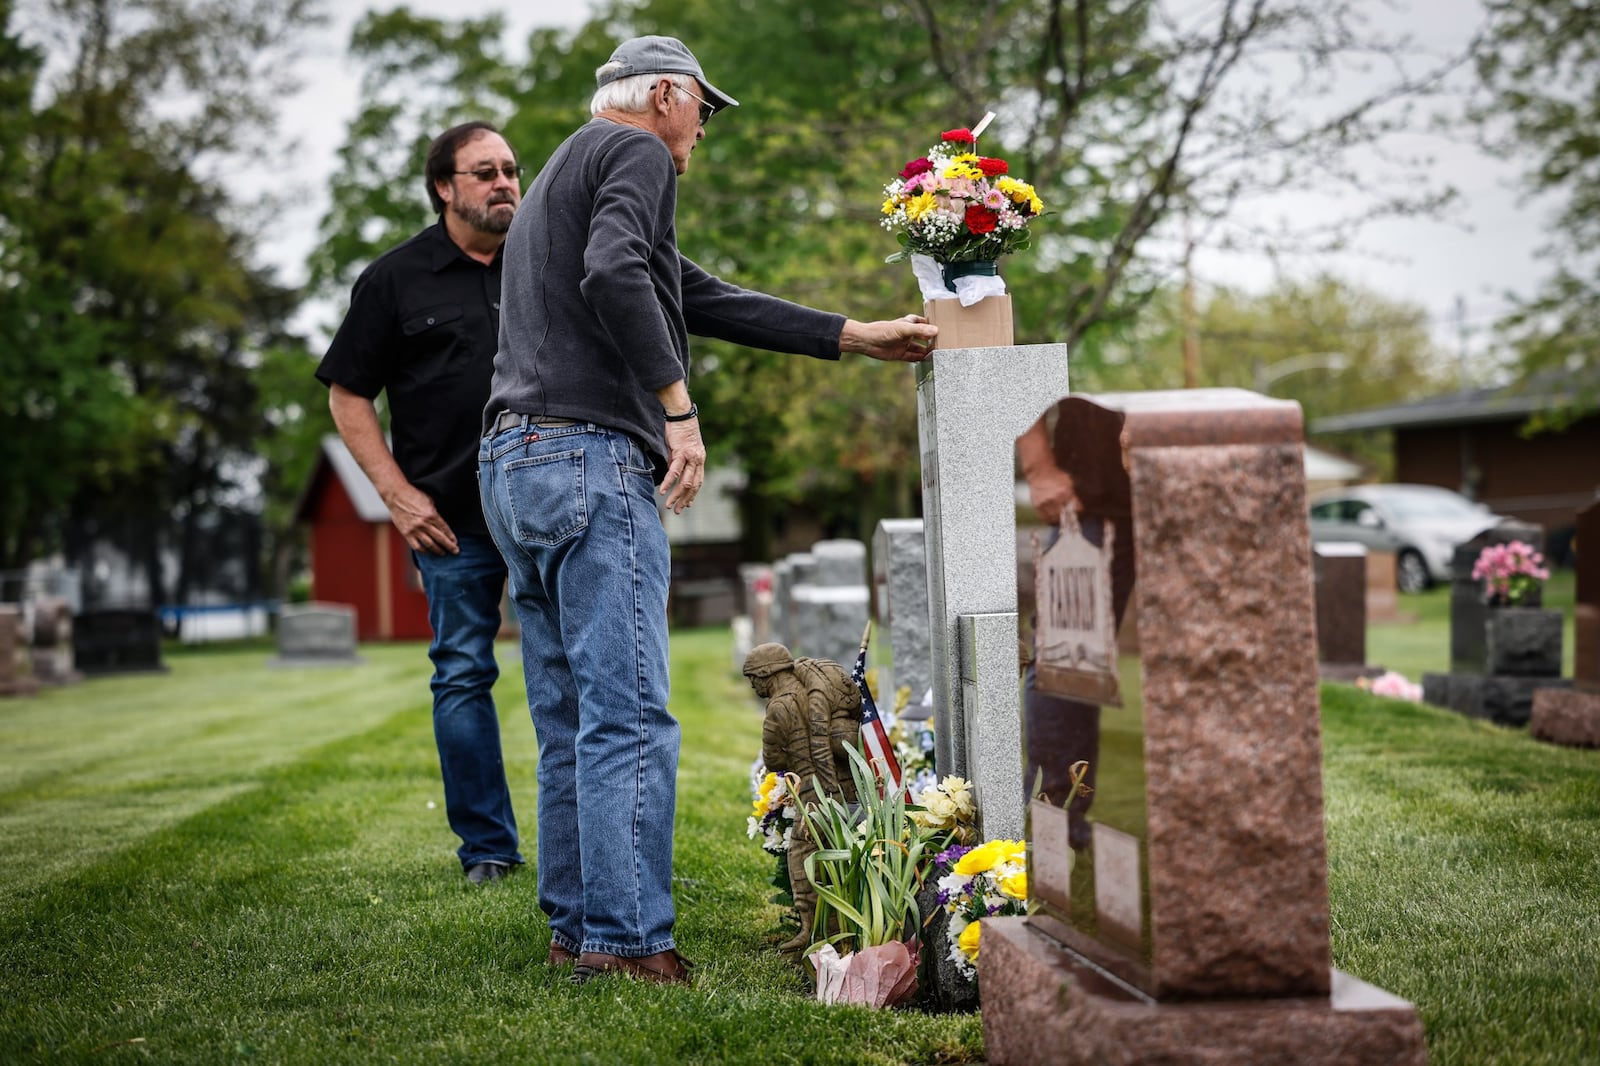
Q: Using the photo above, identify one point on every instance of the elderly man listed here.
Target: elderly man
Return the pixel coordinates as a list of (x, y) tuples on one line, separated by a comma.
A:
[(589, 411)]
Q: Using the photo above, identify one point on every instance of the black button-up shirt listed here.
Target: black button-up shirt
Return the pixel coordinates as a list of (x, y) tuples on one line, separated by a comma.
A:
[(423, 326)]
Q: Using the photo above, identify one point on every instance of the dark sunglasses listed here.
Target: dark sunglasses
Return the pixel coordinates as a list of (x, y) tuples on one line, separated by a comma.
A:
[(487, 174), (706, 110)]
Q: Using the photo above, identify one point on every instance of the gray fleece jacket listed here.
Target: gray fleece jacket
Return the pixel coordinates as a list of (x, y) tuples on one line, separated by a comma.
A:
[(597, 303)]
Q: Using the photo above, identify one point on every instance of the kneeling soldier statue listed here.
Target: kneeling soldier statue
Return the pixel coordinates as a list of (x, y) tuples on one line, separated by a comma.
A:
[(813, 711)]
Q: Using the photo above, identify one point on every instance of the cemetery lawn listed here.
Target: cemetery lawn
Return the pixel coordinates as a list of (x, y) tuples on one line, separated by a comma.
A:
[(230, 862)]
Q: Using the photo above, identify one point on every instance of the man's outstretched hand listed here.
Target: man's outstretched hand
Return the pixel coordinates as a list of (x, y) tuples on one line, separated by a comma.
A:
[(895, 340)]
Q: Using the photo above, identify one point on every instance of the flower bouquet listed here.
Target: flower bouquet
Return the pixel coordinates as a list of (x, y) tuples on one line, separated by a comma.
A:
[(1393, 685), (1512, 574), (866, 871), (987, 881), (955, 213), (773, 814)]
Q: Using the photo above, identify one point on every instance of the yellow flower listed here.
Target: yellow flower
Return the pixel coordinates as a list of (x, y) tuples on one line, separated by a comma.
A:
[(957, 169), (968, 941), (988, 855), (1015, 885), (920, 205), (890, 204)]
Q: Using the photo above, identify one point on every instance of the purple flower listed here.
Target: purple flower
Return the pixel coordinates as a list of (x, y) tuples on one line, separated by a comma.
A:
[(951, 855)]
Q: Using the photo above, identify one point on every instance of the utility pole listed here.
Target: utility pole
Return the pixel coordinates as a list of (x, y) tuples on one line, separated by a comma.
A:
[(1191, 336), (1461, 343)]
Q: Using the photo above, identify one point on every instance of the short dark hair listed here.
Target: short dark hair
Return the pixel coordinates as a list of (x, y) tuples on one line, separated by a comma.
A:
[(441, 165)]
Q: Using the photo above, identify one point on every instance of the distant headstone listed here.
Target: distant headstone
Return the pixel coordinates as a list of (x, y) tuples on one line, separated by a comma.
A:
[(900, 573), (1383, 597), (13, 682), (316, 634), (1586, 545), (705, 602), (757, 581), (1572, 718), (839, 563), (1500, 656), (52, 642), (1339, 576), (1468, 610), (1139, 955), (117, 640)]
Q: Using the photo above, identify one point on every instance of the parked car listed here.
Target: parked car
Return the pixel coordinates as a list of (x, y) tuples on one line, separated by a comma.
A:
[(1421, 524)]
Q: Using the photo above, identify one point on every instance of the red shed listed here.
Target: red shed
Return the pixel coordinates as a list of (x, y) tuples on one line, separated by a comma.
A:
[(357, 556)]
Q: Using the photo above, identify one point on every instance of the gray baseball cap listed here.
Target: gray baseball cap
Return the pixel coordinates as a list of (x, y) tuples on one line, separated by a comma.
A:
[(659, 55)]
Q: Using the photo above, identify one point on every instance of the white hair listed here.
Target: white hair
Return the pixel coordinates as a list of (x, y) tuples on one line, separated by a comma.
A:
[(632, 93)]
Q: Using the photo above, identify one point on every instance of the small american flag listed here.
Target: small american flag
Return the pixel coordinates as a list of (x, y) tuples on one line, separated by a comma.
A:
[(874, 738)]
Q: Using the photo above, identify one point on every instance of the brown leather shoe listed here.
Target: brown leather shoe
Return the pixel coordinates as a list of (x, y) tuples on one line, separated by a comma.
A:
[(664, 967), (560, 956)]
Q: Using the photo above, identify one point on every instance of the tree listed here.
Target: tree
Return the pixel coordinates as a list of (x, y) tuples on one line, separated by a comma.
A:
[(1354, 349), (1125, 114), (134, 317), (1537, 68)]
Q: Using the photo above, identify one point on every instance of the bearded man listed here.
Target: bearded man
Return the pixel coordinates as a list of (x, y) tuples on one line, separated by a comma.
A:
[(423, 326)]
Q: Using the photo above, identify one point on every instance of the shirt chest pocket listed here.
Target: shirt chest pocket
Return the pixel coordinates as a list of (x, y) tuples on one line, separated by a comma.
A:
[(442, 319)]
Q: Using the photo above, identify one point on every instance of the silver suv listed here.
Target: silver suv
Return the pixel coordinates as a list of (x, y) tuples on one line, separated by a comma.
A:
[(1421, 524)]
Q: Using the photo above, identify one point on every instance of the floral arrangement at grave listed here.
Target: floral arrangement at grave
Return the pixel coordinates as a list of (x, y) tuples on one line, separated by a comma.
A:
[(960, 209), (913, 744), (948, 808), (987, 881), (1391, 684), (1512, 574), (867, 868), (773, 812)]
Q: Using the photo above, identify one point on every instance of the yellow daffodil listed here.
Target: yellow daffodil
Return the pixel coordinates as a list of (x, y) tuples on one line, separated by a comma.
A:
[(968, 941)]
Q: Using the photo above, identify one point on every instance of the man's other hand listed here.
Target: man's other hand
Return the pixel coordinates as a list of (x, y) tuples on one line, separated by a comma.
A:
[(420, 523), (686, 464)]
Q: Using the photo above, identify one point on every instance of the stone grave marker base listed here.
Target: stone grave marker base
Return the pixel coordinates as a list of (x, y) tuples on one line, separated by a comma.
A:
[(1566, 717), (1043, 1003), (1502, 700)]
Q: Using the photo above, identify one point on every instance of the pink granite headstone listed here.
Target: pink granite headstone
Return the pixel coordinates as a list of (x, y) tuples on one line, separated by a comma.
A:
[(1228, 874)]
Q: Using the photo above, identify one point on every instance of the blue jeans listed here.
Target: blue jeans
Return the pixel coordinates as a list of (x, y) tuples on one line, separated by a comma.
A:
[(573, 511), (464, 611)]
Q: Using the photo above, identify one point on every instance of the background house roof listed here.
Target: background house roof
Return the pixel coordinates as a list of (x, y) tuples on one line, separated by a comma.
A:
[(337, 461), (1545, 392)]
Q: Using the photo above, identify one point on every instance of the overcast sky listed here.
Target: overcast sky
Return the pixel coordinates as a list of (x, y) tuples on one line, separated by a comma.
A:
[(1485, 248)]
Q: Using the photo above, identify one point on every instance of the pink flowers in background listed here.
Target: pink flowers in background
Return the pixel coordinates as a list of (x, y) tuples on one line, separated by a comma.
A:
[(1510, 573), (1393, 685)]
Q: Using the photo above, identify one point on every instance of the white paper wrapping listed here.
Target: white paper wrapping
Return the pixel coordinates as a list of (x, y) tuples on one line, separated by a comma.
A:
[(969, 290)]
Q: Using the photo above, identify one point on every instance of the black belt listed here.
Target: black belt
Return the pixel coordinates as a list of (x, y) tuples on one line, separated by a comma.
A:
[(511, 420)]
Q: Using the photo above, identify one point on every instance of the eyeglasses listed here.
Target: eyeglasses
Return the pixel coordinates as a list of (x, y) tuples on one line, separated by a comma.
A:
[(487, 174), (706, 110)]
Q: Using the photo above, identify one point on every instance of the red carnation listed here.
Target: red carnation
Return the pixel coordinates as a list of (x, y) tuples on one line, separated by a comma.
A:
[(962, 135), (992, 167), (980, 219), (915, 167)]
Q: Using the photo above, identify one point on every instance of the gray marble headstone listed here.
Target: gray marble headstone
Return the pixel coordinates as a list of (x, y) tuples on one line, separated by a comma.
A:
[(311, 634), (972, 404), (778, 621), (831, 621), (839, 563), (802, 565), (900, 573)]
